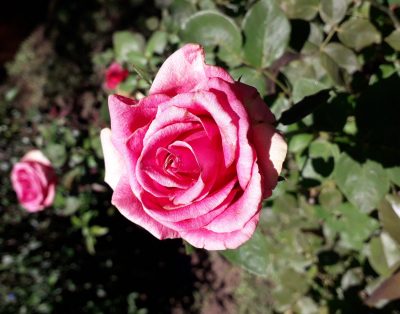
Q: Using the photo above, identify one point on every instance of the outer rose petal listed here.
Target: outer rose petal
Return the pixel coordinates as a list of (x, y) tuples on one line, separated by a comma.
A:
[(131, 208), (36, 156), (114, 164), (271, 151), (185, 71), (209, 240)]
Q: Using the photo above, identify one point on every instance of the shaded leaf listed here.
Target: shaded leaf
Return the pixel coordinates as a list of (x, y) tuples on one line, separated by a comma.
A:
[(358, 33), (306, 87), (342, 56), (394, 39), (304, 107), (332, 11), (300, 9)]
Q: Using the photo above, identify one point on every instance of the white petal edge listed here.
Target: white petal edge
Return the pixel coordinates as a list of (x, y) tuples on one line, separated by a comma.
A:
[(113, 161)]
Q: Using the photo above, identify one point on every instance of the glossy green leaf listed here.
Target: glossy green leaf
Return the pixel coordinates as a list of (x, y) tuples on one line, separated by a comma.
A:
[(353, 226), (389, 215), (394, 39), (252, 256), (211, 28), (330, 197), (306, 87), (156, 43), (342, 56), (384, 254), (333, 11), (125, 42), (300, 9), (332, 68), (299, 142), (358, 33), (251, 77), (394, 175), (323, 149), (267, 32), (363, 185)]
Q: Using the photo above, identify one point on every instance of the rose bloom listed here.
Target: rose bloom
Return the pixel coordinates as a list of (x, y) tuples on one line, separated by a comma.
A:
[(196, 157), (115, 74), (34, 181)]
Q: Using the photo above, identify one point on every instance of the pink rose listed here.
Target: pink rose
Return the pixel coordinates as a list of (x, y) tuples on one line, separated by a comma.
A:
[(115, 74), (34, 181), (196, 157)]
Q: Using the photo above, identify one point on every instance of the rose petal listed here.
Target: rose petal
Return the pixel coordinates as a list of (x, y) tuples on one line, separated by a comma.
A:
[(256, 108), (155, 208), (240, 212), (129, 206), (206, 104), (209, 240), (113, 161), (185, 71), (128, 115), (271, 151), (36, 156)]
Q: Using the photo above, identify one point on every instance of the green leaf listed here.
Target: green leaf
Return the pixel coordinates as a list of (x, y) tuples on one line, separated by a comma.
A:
[(299, 142), (267, 32), (343, 56), (330, 197), (306, 87), (358, 33), (333, 11), (323, 149), (389, 215), (394, 39), (144, 75), (252, 256), (156, 43), (394, 175), (353, 226), (136, 59), (98, 231), (125, 42), (383, 254), (300, 9), (211, 28), (57, 153), (129, 85), (332, 68), (251, 77), (363, 185)]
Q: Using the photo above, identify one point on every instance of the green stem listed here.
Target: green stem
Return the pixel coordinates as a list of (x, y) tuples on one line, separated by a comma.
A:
[(277, 82), (329, 37)]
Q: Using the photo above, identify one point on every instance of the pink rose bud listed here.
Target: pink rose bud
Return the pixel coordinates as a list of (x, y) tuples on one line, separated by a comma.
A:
[(196, 157), (115, 74), (34, 181)]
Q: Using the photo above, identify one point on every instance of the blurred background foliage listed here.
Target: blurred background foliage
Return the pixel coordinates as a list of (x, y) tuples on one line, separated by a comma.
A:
[(329, 237)]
